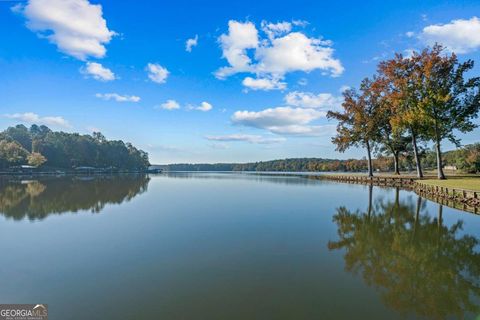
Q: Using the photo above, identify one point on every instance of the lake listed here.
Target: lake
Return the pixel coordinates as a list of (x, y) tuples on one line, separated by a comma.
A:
[(234, 246)]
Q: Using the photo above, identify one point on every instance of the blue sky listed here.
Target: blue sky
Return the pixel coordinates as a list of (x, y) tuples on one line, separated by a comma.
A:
[(255, 84)]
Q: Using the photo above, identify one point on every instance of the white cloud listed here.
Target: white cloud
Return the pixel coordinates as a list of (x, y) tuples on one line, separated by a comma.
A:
[(281, 52), (281, 120), (191, 43), (204, 106), (459, 36), (304, 130), (240, 37), (409, 34), (117, 97), (264, 84), (246, 138), (170, 105), (157, 73), (76, 27), (323, 101), (297, 52), (300, 23), (174, 105), (97, 71), (274, 30), (33, 118), (297, 117)]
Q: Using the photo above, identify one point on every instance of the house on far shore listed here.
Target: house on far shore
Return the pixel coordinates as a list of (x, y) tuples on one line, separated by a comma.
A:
[(23, 169), (452, 168)]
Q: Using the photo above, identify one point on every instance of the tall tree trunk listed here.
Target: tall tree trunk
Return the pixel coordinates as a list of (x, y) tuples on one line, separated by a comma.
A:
[(370, 193), (415, 153), (395, 163), (417, 217), (370, 169), (440, 216), (440, 173), (397, 197)]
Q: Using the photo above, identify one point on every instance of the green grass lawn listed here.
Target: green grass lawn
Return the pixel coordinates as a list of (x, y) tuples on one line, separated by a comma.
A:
[(456, 181), (460, 181), (465, 182)]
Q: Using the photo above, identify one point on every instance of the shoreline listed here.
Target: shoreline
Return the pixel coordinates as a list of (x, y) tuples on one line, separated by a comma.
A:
[(66, 173), (458, 198)]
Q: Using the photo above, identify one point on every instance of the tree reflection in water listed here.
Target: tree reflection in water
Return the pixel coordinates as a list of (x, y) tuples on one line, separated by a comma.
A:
[(420, 266), (36, 199)]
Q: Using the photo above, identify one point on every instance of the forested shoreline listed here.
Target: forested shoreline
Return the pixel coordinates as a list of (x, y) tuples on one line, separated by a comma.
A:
[(465, 159), (39, 146)]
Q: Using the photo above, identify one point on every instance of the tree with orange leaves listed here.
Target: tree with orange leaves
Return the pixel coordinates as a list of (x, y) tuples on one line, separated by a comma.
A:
[(400, 81), (357, 123), (392, 139)]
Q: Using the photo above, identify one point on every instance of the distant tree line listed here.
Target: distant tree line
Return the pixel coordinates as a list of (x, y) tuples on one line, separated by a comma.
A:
[(40, 146), (197, 167), (465, 159), (424, 98)]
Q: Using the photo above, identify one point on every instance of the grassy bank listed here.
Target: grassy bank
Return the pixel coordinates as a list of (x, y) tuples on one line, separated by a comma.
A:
[(455, 181), (465, 182)]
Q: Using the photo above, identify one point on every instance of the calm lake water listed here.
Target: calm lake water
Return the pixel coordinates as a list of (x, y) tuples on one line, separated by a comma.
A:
[(234, 246)]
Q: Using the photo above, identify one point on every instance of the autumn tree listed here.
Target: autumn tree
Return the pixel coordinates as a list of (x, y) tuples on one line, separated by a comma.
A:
[(392, 141), (36, 159), (448, 102), (401, 79), (11, 152), (357, 122)]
